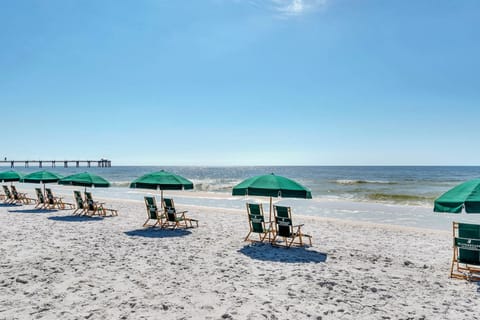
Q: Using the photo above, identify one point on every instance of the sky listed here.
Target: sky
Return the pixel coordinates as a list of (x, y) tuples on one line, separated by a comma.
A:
[(241, 82)]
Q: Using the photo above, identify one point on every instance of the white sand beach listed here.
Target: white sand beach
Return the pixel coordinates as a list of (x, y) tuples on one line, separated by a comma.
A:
[(54, 265)]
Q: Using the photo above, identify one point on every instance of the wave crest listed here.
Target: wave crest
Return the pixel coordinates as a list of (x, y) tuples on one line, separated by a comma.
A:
[(399, 198), (352, 182)]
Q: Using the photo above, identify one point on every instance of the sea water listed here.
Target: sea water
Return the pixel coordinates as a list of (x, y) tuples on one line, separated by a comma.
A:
[(401, 195)]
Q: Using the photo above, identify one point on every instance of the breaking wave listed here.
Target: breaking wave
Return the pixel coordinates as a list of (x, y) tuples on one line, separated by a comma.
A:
[(352, 182), (400, 198)]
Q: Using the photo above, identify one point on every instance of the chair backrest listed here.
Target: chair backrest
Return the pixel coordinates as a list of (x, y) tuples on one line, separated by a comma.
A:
[(50, 197), (40, 197), (14, 192), (168, 203), (467, 240), (89, 200), (7, 192), (169, 207), (255, 217), (152, 209), (283, 219), (78, 199)]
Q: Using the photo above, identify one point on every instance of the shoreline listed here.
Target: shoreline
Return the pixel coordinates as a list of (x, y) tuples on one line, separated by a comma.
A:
[(345, 210)]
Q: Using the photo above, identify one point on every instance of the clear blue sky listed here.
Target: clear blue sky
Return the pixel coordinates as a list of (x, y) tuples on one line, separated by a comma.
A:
[(233, 82)]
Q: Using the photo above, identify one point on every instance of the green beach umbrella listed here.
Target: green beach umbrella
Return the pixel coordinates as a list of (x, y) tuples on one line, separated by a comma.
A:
[(41, 177), (85, 179), (465, 195), (10, 176), (271, 185), (162, 180)]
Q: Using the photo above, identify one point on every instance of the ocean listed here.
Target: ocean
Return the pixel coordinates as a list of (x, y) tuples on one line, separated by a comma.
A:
[(387, 194)]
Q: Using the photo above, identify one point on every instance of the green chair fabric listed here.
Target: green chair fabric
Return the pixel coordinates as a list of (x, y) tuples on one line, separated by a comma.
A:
[(152, 208), (153, 213), (40, 196), (284, 222), (466, 252), (257, 220), (176, 218), (284, 228), (468, 242), (257, 223), (77, 195), (8, 195)]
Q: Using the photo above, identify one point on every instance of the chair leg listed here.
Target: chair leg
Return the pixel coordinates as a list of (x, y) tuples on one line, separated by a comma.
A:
[(454, 258), (291, 242)]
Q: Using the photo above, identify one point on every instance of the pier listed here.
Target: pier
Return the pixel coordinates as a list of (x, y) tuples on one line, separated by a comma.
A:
[(102, 163)]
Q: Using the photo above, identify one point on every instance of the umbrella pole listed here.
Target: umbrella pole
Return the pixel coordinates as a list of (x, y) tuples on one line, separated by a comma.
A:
[(270, 220), (161, 198)]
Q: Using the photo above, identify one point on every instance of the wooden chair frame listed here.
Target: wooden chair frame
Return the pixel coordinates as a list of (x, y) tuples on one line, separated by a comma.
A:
[(20, 196), (153, 213), (97, 207), (176, 219), (8, 195), (40, 203), (57, 202), (80, 202), (459, 269), (257, 224), (294, 231)]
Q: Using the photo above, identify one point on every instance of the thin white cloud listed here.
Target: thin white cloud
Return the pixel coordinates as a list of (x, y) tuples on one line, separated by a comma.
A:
[(292, 7)]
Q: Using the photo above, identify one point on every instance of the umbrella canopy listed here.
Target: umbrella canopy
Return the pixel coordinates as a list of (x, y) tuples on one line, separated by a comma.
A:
[(271, 185), (8, 176), (162, 180), (41, 177), (465, 195), (85, 179)]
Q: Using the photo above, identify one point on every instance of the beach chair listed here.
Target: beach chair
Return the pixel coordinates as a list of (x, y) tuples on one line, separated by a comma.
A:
[(174, 218), (284, 228), (466, 252), (153, 213), (20, 197), (8, 195), (53, 201), (257, 223), (40, 203), (81, 205), (96, 207)]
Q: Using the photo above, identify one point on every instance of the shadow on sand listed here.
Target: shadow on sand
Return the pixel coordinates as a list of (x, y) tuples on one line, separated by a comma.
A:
[(32, 211), (267, 252), (158, 233), (75, 218), (9, 205)]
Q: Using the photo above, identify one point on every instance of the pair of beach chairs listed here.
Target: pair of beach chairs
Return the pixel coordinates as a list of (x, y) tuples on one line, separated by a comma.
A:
[(90, 207), (168, 217), (48, 201), (281, 232), (15, 197)]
